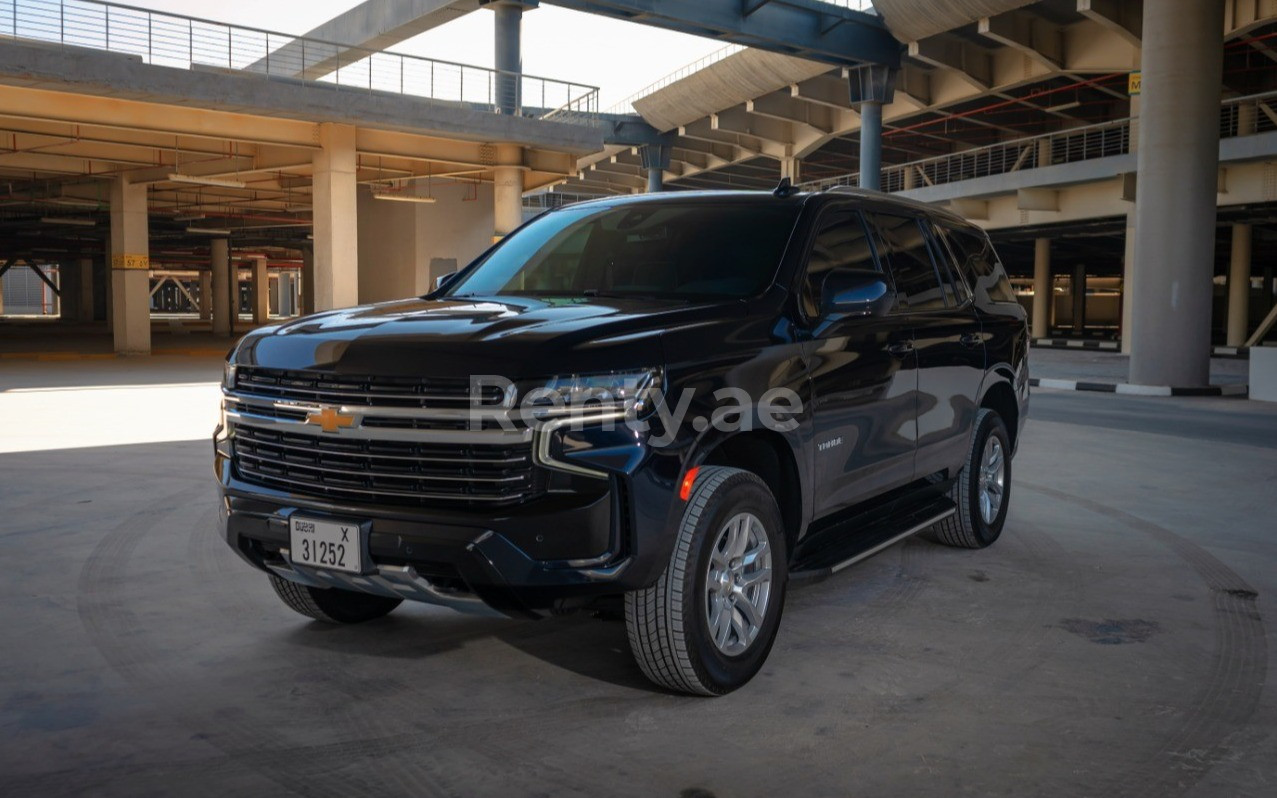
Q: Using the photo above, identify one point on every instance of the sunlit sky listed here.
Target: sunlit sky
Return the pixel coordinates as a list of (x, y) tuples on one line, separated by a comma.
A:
[(620, 58)]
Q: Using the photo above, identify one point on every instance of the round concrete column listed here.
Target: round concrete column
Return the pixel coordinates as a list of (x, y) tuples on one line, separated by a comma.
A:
[(223, 299), (1079, 299), (508, 199), (1041, 288), (1178, 161), (1239, 286)]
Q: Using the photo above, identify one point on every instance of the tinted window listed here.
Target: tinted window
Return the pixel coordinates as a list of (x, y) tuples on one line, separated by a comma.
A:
[(841, 243), (955, 285), (904, 245), (670, 249), (978, 263)]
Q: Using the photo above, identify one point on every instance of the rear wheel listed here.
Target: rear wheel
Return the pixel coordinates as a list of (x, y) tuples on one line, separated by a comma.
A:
[(982, 490), (332, 605), (708, 624)]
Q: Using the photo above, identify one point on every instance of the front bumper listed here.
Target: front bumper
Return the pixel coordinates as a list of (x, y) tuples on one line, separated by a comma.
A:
[(555, 552)]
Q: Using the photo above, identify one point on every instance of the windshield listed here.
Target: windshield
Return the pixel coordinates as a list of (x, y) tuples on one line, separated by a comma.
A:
[(667, 249)]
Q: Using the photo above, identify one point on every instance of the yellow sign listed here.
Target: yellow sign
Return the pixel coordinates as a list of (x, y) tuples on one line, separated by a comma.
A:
[(1133, 83), (130, 262)]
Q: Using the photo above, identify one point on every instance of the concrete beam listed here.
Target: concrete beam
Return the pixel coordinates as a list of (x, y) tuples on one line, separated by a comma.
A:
[(969, 62), (738, 120), (1123, 17), (371, 25), (1029, 34), (823, 90)]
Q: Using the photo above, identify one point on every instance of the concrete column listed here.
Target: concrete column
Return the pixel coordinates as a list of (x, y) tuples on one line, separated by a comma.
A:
[(1128, 253), (1, 293), (1042, 295), (910, 178), (655, 159), (68, 291), (336, 226), (508, 194), (1247, 118), (308, 281), (206, 295), (85, 266), (130, 269), (261, 291), (1044, 152), (1239, 286), (871, 145), (509, 55), (791, 168), (1178, 178), (1079, 299), (221, 290)]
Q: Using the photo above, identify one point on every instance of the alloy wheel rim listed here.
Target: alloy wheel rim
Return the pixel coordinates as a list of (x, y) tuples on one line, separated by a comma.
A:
[(738, 583), (992, 479)]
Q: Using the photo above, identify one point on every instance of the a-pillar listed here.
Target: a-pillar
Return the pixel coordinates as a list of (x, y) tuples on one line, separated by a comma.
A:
[(308, 282), (1079, 299), (509, 54), (336, 226), (261, 291), (86, 290), (1042, 294), (656, 159), (871, 86), (1239, 286), (130, 269), (508, 190), (1178, 163), (224, 300), (206, 295)]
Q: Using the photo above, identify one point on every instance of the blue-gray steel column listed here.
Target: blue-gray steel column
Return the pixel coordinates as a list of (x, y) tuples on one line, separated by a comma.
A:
[(656, 159), (1178, 163), (871, 86), (871, 145), (509, 55)]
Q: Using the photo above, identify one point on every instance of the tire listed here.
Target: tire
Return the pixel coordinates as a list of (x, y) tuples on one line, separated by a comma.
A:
[(332, 605), (669, 623), (969, 528)]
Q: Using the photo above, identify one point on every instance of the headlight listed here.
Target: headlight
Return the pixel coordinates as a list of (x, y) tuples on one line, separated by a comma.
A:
[(635, 391), (228, 376)]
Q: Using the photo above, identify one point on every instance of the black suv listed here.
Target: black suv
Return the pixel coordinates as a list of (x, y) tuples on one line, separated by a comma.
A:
[(671, 403)]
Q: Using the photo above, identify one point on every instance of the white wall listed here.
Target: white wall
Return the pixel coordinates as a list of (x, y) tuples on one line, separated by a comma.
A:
[(404, 246)]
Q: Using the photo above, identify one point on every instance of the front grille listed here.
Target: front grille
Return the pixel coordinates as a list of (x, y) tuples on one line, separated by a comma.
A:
[(340, 389), (390, 472)]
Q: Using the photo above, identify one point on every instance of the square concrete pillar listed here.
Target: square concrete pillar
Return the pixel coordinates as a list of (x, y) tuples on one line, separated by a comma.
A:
[(206, 295), (508, 194), (223, 300), (335, 210), (308, 282), (1042, 295), (130, 269), (261, 291), (85, 265)]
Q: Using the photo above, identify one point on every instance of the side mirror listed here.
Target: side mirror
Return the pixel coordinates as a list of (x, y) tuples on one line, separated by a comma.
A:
[(849, 294), (443, 279)]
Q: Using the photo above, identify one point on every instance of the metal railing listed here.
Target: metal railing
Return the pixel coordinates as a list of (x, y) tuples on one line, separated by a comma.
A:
[(172, 40), (1238, 116)]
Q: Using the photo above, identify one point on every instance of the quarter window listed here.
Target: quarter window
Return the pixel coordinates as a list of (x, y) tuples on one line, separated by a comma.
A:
[(978, 263), (904, 244)]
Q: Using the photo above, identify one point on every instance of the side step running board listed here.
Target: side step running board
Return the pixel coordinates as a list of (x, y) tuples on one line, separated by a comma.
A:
[(842, 546), (864, 555)]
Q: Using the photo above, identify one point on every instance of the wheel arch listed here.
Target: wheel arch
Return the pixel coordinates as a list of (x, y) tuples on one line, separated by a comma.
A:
[(1000, 398), (770, 456)]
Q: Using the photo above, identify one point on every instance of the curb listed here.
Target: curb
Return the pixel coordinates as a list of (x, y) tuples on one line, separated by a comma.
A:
[(52, 356), (1128, 389), (1114, 346)]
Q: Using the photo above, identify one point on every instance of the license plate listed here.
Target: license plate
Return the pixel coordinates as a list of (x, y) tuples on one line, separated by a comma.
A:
[(326, 544)]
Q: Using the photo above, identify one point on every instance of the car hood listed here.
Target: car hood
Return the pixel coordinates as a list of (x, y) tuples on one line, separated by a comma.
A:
[(509, 336)]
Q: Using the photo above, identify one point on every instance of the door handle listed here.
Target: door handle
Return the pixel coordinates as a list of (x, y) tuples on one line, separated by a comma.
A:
[(971, 339), (900, 349)]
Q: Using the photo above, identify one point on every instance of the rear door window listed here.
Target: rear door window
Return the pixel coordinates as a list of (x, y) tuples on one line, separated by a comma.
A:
[(903, 244), (978, 263)]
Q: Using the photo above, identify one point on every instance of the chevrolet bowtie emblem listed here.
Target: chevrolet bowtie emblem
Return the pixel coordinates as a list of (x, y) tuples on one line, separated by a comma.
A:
[(329, 419)]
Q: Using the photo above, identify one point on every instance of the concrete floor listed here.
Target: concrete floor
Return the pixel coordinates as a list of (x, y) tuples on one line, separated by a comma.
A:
[(1114, 642)]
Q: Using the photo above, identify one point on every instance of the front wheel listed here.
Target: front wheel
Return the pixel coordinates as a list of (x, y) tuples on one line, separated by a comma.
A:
[(982, 490), (708, 624)]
